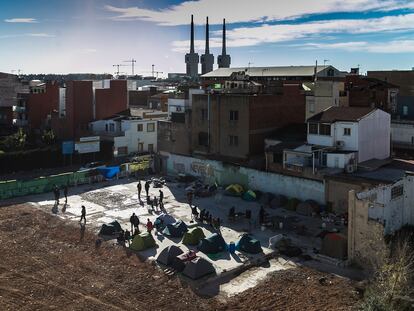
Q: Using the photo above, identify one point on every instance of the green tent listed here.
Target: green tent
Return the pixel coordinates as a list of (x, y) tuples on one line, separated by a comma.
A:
[(234, 190), (249, 195), (142, 241), (193, 236)]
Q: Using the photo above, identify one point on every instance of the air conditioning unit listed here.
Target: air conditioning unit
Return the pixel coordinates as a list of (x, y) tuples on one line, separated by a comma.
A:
[(349, 168), (340, 143)]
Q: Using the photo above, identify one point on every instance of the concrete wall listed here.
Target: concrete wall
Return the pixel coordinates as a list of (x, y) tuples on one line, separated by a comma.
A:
[(402, 132), (351, 141), (338, 160), (174, 137), (374, 136), (225, 174), (337, 194)]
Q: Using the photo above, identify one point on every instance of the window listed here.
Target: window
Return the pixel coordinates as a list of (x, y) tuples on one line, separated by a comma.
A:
[(234, 115), (347, 131), (405, 110), (313, 128), (233, 140), (106, 127), (122, 150), (203, 139), (204, 114), (112, 127), (397, 191), (140, 127), (311, 107), (325, 129), (150, 127), (151, 148)]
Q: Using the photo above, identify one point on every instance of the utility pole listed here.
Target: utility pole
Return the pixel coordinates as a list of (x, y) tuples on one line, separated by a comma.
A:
[(132, 61)]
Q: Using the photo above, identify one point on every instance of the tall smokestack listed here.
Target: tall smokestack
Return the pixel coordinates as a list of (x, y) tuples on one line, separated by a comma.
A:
[(207, 59), (207, 39), (192, 35), (224, 60), (223, 51)]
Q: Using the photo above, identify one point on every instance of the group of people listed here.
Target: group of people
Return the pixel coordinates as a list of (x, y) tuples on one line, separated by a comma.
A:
[(206, 217), (56, 193), (155, 202)]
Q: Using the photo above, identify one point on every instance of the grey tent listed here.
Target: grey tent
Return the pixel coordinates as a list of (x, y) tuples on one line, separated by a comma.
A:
[(175, 230), (168, 254), (110, 229), (198, 268), (213, 244)]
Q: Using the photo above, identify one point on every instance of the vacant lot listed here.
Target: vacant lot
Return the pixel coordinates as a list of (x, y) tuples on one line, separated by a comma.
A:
[(47, 263)]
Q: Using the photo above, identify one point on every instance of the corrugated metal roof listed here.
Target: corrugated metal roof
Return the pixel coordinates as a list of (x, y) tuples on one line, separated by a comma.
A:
[(286, 71)]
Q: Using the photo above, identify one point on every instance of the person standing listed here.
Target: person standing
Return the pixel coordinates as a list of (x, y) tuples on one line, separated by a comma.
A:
[(65, 193), (136, 223), (161, 200), (83, 214), (190, 198), (132, 221), (150, 226), (147, 186), (139, 188)]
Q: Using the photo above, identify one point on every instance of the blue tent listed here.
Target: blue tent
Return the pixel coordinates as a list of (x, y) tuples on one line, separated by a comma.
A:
[(109, 172), (249, 244), (175, 230)]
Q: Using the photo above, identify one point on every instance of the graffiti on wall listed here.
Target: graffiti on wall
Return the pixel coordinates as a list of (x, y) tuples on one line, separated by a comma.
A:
[(202, 169), (179, 167)]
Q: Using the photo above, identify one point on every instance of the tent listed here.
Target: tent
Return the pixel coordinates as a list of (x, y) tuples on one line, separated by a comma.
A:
[(110, 229), (193, 236), (213, 244), (176, 229), (142, 241), (335, 245), (249, 195), (278, 201), (305, 208), (292, 203), (248, 244), (234, 190), (168, 254), (109, 172), (198, 268)]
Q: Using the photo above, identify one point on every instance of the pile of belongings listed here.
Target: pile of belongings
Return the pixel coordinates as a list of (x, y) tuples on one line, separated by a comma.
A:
[(179, 261), (202, 190), (292, 204), (185, 178), (335, 245), (249, 195), (193, 236), (286, 248), (197, 268), (108, 172), (142, 242), (307, 208), (158, 182), (248, 244), (175, 230), (278, 201), (234, 190), (112, 228), (213, 244), (169, 254)]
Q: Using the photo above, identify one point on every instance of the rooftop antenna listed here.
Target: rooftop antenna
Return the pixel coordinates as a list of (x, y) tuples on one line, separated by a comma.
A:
[(132, 61), (325, 61), (248, 64)]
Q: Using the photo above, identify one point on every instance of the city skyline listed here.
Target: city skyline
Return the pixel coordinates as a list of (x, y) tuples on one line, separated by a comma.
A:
[(91, 36)]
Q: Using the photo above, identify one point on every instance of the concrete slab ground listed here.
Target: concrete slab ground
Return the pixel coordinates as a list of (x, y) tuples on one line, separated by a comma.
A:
[(118, 199)]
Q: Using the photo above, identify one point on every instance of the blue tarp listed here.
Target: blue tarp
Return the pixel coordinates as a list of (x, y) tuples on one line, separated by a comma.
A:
[(109, 172)]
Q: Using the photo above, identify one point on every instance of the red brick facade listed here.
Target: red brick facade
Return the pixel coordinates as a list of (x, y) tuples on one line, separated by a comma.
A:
[(111, 101), (40, 105)]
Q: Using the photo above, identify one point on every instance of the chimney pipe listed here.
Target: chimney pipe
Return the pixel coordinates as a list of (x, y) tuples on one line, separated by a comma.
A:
[(192, 35), (207, 39), (223, 51)]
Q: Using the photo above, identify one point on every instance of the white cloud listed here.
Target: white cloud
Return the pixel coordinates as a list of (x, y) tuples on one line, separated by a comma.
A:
[(38, 35), (395, 46), (21, 20), (236, 11), (250, 36)]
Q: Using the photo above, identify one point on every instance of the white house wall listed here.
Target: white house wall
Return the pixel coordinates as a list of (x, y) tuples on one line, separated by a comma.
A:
[(402, 132), (322, 140), (351, 141), (132, 137), (374, 136)]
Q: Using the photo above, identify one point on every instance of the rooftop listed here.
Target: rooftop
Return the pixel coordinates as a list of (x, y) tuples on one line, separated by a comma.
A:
[(285, 71), (334, 114)]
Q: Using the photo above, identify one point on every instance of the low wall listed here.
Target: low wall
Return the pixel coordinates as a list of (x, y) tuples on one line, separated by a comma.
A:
[(225, 174), (14, 188)]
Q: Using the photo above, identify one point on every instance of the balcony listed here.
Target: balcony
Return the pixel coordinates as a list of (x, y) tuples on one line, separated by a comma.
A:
[(19, 109)]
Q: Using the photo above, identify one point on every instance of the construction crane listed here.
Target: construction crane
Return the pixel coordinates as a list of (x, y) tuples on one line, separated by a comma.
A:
[(117, 72), (132, 61)]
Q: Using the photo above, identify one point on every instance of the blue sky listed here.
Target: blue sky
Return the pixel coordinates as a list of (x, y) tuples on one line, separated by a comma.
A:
[(63, 36)]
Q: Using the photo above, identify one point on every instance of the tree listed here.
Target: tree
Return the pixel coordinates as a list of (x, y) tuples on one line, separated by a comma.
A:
[(48, 137)]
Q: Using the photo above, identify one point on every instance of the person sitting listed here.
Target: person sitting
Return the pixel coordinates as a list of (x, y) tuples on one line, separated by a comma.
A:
[(194, 212), (121, 238), (202, 213), (232, 213), (210, 220)]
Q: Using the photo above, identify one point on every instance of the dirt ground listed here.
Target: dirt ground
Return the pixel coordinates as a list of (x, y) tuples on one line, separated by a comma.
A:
[(48, 264)]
